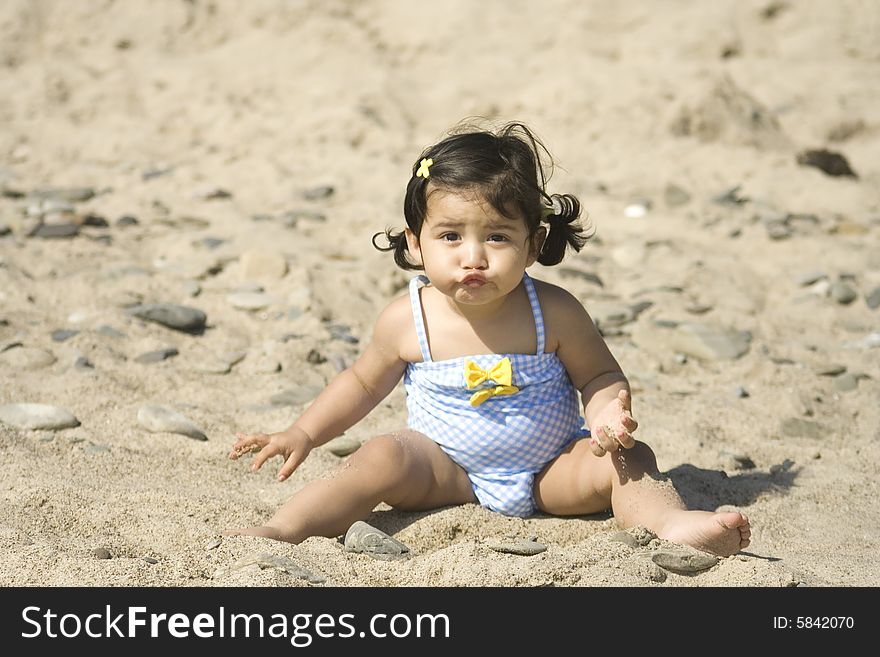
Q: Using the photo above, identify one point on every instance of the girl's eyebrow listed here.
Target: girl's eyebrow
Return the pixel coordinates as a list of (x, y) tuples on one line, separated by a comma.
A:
[(455, 223)]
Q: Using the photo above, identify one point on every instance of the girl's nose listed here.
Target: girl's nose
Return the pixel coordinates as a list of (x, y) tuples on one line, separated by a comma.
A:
[(474, 256)]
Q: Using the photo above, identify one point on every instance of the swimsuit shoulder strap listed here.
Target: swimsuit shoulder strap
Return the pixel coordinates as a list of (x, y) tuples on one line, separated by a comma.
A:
[(418, 315), (536, 311)]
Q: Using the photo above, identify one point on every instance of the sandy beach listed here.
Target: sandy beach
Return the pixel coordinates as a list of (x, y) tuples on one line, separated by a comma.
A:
[(187, 196)]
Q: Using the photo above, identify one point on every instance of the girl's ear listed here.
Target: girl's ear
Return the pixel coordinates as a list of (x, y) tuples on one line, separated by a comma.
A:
[(537, 244), (412, 244)]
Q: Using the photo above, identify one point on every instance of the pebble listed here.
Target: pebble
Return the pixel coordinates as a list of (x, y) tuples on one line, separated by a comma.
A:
[(37, 416), (110, 332), (179, 318), (214, 543), (342, 332), (843, 293), (675, 195), (68, 194), (102, 553), (95, 448), (158, 419), (810, 277), (796, 427), (83, 363), (55, 231), (684, 563), (314, 357), (26, 358), (778, 230), (366, 539), (829, 162), (702, 341), (318, 193), (343, 445), (191, 288), (295, 397), (127, 220), (589, 277), (151, 560), (846, 382), (829, 369), (873, 298), (63, 334), (524, 547), (265, 560), (250, 300), (741, 392), (157, 355)]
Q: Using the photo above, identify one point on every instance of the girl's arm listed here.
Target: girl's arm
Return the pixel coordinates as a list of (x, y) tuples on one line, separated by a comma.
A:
[(347, 399), (356, 391), (593, 370)]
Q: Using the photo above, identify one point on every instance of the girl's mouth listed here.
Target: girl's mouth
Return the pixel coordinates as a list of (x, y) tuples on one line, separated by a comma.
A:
[(474, 280)]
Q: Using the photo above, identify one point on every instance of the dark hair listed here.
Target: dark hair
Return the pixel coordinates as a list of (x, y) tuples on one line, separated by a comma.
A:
[(505, 168)]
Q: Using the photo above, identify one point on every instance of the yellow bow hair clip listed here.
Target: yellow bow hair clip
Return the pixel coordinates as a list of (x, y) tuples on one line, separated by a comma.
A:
[(501, 373), (424, 169)]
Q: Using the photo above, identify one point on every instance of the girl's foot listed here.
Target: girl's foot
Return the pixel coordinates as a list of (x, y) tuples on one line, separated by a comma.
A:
[(722, 533)]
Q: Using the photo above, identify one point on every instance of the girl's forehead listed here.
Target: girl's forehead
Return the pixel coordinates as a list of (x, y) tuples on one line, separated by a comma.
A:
[(463, 205)]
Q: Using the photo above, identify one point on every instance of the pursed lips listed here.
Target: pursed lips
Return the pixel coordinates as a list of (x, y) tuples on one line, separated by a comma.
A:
[(473, 280)]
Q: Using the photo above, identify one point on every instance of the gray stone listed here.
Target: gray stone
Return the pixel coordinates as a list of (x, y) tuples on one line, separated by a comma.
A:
[(265, 560), (366, 539), (295, 397), (675, 195), (63, 194), (318, 193), (589, 277), (524, 547), (158, 419), (843, 293), (796, 427), (63, 334), (703, 341), (157, 356), (684, 563), (829, 369), (846, 382), (810, 277), (343, 446), (37, 416), (55, 231), (83, 363), (873, 298), (179, 318), (250, 300), (101, 553), (26, 358)]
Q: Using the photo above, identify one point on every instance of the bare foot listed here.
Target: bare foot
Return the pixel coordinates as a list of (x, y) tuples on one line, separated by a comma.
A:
[(722, 533)]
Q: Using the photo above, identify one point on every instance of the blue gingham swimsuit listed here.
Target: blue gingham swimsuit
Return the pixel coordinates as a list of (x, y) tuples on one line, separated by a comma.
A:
[(506, 440)]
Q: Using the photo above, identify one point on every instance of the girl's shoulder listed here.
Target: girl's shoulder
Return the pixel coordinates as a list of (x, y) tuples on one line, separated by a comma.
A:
[(556, 300), (395, 328)]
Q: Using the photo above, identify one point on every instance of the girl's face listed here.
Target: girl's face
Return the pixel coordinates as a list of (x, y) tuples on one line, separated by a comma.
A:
[(470, 252)]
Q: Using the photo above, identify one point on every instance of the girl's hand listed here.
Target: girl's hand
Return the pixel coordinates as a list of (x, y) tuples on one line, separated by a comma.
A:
[(293, 444), (613, 426)]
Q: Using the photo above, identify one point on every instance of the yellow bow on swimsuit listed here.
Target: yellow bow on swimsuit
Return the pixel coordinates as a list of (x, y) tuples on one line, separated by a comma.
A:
[(501, 373)]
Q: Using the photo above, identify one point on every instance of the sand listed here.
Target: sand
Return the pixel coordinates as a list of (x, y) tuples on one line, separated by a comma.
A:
[(260, 145)]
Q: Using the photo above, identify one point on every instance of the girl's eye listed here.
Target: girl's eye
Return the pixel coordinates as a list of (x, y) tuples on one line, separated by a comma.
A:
[(497, 238), (449, 237)]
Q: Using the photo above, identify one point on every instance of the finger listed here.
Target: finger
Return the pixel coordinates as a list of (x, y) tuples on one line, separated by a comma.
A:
[(292, 463), (262, 456), (625, 399), (596, 448), (605, 436), (628, 421), (625, 439)]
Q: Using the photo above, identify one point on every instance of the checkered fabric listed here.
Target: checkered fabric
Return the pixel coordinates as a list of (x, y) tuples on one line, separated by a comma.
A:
[(506, 440)]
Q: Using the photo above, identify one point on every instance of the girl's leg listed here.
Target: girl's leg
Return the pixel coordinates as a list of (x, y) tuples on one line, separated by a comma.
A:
[(579, 482), (406, 470)]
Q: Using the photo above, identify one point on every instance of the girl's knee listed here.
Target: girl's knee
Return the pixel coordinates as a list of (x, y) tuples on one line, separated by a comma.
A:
[(387, 450)]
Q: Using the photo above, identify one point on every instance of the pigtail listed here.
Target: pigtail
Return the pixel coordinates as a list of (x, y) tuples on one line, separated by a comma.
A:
[(565, 230), (397, 244)]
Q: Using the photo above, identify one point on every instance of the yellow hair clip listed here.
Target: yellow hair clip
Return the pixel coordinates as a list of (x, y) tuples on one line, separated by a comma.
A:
[(424, 168)]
